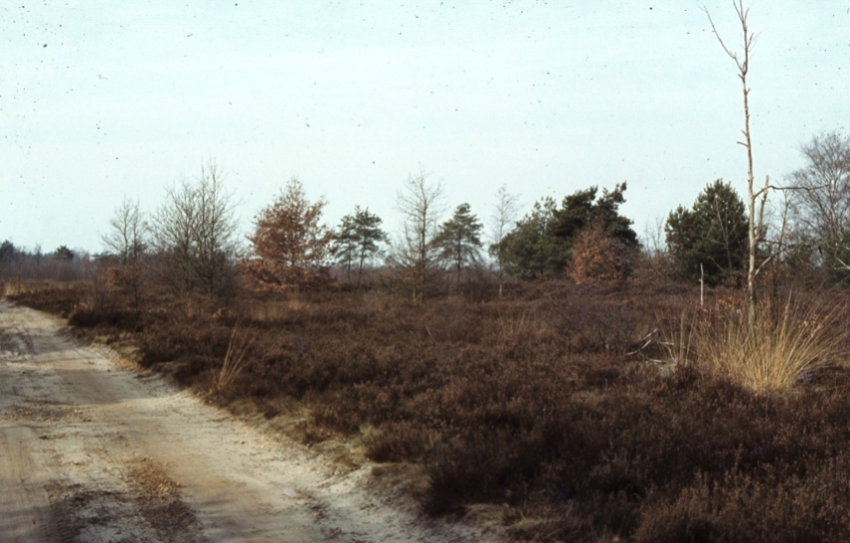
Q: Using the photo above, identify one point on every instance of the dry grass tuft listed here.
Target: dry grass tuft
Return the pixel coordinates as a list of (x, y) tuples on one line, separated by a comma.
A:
[(236, 356), (784, 346), (10, 287), (15, 287)]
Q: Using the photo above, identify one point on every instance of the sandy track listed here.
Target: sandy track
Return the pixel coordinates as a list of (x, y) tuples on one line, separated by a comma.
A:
[(91, 452)]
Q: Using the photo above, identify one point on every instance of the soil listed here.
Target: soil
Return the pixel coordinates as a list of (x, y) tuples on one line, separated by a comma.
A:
[(92, 450)]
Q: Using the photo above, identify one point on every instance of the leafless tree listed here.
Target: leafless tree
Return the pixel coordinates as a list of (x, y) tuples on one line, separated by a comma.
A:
[(126, 238), (822, 205), (215, 229), (125, 243), (654, 243), (194, 234), (756, 197), (415, 255), (505, 213)]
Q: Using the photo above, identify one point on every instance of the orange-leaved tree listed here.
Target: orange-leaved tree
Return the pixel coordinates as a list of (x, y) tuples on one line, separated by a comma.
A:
[(290, 247), (596, 256)]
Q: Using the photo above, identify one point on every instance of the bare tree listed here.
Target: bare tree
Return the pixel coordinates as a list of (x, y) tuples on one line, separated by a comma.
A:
[(822, 204), (784, 242), (126, 238), (756, 198), (654, 259), (505, 212), (125, 243), (194, 234), (172, 238), (416, 256), (654, 243), (215, 230)]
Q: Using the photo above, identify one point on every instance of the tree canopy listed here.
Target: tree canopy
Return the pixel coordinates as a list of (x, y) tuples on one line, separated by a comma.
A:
[(713, 233), (290, 246), (822, 206), (357, 239), (7, 251), (193, 235), (415, 255), (541, 243), (459, 240), (63, 253)]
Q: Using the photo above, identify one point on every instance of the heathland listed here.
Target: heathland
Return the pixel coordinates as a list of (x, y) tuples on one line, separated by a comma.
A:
[(604, 411)]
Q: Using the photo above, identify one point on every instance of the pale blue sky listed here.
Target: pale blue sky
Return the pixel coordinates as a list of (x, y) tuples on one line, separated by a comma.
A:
[(103, 99)]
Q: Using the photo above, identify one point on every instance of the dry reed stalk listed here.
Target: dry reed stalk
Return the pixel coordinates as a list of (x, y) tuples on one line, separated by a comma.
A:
[(236, 356)]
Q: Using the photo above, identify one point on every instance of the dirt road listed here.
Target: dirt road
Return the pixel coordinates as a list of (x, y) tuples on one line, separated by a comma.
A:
[(91, 452)]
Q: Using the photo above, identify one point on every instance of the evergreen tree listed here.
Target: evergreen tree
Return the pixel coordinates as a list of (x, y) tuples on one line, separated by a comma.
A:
[(358, 238), (63, 253), (713, 233), (8, 251), (459, 240), (541, 244)]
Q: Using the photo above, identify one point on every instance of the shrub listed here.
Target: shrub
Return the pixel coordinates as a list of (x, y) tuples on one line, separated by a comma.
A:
[(531, 403)]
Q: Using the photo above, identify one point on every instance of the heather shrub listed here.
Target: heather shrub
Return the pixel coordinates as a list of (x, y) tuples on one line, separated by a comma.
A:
[(742, 507), (540, 404)]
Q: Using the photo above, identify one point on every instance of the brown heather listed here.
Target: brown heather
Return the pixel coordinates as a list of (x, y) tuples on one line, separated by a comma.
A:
[(540, 404)]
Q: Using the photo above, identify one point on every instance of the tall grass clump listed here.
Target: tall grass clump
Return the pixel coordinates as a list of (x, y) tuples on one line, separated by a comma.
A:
[(235, 358), (785, 344)]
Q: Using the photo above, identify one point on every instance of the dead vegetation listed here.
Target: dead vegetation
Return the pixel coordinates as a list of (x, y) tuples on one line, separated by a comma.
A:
[(540, 409)]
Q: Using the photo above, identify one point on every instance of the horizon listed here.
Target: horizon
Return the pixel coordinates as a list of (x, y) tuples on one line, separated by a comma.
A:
[(102, 104)]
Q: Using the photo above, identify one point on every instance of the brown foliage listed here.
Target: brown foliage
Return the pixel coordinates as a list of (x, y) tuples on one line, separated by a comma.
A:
[(291, 247), (596, 256), (532, 403)]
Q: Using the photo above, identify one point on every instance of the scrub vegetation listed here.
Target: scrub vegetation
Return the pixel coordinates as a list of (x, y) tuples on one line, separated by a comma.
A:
[(579, 387), (552, 408), (582, 386)]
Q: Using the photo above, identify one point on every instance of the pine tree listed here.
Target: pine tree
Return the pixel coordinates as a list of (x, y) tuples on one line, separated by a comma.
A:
[(712, 234), (358, 238), (541, 243), (459, 240), (63, 253)]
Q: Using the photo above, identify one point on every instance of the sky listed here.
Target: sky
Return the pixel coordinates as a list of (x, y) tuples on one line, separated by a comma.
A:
[(101, 101)]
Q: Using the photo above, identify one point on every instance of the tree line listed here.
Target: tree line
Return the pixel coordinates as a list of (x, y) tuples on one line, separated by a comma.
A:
[(191, 243), (805, 238)]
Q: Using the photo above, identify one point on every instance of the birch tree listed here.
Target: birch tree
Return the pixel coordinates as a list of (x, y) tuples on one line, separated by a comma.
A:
[(415, 256), (504, 214), (822, 202), (194, 234), (756, 197), (459, 240)]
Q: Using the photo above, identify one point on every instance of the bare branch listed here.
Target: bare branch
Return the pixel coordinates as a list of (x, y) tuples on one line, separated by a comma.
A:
[(732, 55), (758, 198)]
